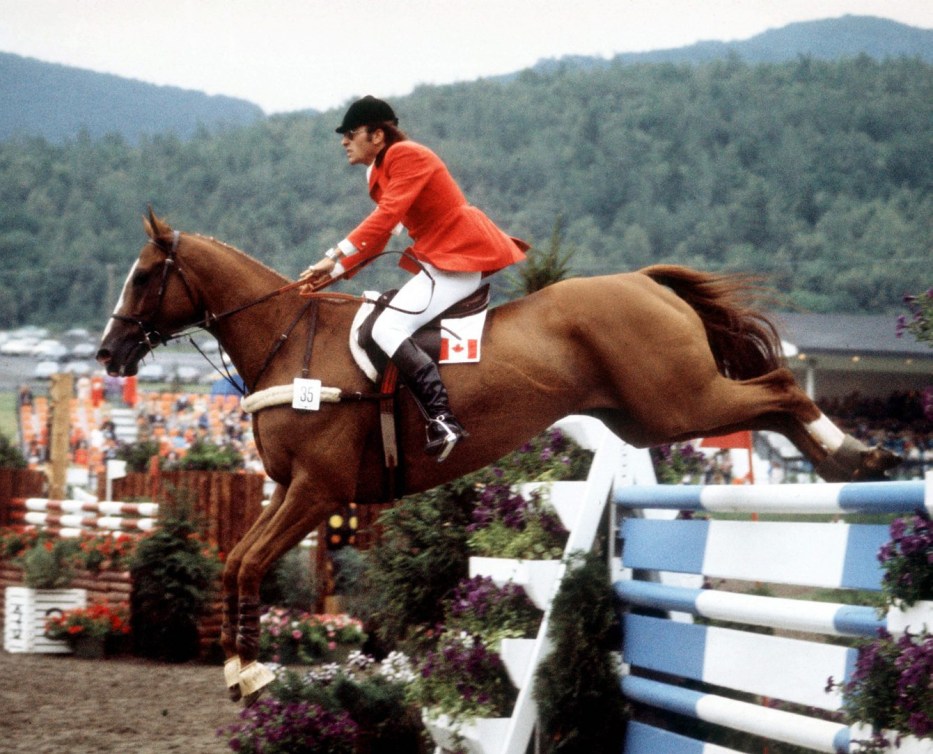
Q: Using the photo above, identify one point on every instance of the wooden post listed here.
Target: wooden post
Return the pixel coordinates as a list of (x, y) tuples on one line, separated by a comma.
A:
[(60, 394)]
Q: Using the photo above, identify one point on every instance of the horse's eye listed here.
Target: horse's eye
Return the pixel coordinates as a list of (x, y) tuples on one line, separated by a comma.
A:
[(140, 278)]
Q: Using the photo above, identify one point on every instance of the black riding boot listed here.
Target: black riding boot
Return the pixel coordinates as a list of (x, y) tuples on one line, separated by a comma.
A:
[(423, 378)]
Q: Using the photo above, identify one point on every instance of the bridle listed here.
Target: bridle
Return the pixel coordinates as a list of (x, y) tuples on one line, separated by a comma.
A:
[(151, 336)]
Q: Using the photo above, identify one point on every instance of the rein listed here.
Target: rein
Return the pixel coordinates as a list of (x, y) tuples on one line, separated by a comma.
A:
[(153, 338)]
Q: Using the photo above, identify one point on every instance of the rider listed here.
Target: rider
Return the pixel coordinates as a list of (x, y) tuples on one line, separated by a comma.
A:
[(455, 244)]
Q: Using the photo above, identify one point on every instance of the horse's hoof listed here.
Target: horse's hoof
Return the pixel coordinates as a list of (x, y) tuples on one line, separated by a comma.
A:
[(854, 461), (232, 678), (254, 677), (875, 465)]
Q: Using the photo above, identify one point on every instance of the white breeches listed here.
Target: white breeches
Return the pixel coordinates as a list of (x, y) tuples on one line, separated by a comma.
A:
[(393, 327)]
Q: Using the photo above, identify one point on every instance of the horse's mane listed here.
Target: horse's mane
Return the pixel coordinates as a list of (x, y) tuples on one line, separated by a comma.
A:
[(229, 247)]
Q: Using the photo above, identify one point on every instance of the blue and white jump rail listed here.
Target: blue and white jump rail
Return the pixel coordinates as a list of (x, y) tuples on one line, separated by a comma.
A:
[(670, 661)]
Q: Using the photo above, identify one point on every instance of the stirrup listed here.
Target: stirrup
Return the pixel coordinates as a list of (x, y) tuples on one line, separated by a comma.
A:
[(449, 432)]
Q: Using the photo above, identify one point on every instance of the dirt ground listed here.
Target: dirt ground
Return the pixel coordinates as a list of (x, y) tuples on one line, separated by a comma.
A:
[(60, 704)]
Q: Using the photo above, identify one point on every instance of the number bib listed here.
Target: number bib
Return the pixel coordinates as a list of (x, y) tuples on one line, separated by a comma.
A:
[(306, 394)]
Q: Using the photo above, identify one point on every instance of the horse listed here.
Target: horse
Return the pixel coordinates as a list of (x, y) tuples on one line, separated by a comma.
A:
[(661, 355)]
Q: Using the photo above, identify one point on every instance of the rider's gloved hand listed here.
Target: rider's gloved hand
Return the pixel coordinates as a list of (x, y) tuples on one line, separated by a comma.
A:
[(328, 267)]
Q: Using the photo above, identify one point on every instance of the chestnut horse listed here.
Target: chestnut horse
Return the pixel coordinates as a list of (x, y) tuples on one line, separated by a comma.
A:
[(662, 355)]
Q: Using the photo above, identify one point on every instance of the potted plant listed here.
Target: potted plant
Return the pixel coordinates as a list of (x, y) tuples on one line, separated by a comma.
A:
[(93, 632), (907, 583), (465, 694), (678, 463), (480, 607), (890, 694), (550, 456), (46, 563), (517, 539)]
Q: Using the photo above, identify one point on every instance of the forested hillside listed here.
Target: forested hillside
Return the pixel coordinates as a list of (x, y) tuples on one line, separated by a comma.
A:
[(816, 174), (57, 101)]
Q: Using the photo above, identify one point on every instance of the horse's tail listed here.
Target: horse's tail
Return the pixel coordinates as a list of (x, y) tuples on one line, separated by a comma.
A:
[(744, 341)]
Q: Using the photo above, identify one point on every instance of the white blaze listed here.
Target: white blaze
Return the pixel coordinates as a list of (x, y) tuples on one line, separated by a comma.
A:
[(119, 305)]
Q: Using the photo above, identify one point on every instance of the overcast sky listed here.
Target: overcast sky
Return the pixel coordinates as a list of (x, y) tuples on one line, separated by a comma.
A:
[(287, 55)]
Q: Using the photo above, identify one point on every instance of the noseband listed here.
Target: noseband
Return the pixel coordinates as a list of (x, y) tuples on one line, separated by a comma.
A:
[(151, 336)]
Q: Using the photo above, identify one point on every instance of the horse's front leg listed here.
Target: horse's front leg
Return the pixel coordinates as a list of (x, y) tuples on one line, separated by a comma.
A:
[(230, 585), (290, 523)]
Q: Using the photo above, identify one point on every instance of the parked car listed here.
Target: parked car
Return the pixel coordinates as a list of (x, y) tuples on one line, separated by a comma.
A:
[(83, 351), (50, 349), (187, 374), (152, 373), (45, 369), (18, 346), (78, 368)]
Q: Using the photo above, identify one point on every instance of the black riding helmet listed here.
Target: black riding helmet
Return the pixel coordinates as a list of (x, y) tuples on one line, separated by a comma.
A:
[(365, 112)]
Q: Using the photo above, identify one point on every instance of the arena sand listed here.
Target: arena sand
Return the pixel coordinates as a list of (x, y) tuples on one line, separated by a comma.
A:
[(56, 703)]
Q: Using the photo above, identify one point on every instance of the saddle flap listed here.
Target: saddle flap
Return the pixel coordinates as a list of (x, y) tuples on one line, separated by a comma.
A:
[(428, 337)]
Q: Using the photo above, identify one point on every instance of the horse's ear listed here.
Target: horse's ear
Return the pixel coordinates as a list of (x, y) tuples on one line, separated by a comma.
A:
[(158, 230)]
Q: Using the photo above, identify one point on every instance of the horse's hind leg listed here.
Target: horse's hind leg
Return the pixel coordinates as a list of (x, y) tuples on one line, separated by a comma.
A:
[(839, 457), (775, 402), (835, 455)]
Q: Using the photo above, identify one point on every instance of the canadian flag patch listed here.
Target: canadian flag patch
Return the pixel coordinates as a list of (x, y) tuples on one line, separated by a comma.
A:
[(461, 339)]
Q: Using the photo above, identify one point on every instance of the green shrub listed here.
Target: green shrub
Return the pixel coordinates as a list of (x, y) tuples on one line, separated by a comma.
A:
[(291, 582), (205, 456), (580, 704), (174, 574), (422, 555), (138, 454), (10, 456)]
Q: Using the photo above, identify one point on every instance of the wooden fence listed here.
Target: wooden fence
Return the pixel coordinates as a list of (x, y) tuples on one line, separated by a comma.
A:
[(227, 503), (16, 483)]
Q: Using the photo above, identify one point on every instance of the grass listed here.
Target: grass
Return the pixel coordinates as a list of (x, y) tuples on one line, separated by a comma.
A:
[(8, 425)]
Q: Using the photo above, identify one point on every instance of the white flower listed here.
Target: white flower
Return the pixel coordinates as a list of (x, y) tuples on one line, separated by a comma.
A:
[(398, 668)]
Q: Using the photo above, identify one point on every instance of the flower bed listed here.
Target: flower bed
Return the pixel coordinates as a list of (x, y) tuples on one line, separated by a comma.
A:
[(360, 706), (289, 636)]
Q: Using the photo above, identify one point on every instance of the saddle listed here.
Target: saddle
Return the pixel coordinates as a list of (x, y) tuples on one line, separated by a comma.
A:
[(434, 338)]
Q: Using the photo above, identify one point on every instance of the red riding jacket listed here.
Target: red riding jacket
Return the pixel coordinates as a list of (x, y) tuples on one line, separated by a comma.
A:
[(412, 186)]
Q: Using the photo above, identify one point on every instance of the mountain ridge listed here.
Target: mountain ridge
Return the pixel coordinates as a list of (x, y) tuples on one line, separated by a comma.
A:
[(826, 39), (58, 102)]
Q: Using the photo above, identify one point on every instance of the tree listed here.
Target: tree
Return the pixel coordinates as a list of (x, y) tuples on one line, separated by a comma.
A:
[(542, 269)]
